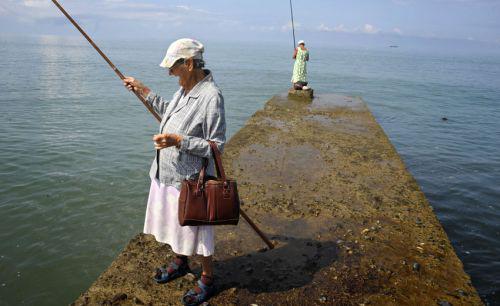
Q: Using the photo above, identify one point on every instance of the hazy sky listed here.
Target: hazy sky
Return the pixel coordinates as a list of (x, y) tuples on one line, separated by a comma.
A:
[(476, 20)]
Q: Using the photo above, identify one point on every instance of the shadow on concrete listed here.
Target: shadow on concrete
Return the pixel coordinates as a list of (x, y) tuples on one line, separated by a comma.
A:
[(292, 264)]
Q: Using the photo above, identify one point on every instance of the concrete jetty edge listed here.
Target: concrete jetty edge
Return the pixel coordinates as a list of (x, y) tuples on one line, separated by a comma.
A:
[(350, 224)]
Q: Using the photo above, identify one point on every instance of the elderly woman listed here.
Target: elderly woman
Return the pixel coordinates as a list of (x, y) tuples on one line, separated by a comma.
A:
[(301, 56), (190, 119)]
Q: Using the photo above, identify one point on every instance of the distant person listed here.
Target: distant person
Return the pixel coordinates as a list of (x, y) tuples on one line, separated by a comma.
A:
[(194, 116), (301, 56)]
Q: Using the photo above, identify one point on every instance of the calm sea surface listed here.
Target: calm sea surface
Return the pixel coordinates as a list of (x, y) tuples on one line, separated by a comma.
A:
[(75, 147)]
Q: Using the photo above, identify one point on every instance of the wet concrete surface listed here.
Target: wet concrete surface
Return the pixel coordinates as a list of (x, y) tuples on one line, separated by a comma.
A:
[(350, 224)]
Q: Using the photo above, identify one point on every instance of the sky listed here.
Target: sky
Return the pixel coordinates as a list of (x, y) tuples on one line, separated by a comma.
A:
[(260, 20)]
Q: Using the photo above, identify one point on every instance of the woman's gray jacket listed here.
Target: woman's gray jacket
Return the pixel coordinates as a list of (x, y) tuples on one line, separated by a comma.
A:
[(197, 117)]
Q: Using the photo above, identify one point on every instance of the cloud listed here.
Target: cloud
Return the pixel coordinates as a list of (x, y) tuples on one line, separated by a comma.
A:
[(397, 31), (338, 28), (369, 29), (144, 11), (189, 8), (3, 10), (341, 28), (262, 28), (288, 26), (120, 4), (323, 28), (37, 3), (28, 11)]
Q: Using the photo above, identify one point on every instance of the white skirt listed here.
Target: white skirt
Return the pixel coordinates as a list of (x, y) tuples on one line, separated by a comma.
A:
[(163, 222)]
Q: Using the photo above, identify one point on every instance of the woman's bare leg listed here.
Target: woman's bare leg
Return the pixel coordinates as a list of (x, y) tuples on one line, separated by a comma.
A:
[(207, 266), (206, 278)]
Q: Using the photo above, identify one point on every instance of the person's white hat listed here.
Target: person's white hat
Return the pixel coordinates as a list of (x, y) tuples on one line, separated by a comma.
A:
[(301, 42), (182, 48)]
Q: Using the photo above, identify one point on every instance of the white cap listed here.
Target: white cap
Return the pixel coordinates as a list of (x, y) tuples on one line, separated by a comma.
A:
[(301, 42), (182, 48)]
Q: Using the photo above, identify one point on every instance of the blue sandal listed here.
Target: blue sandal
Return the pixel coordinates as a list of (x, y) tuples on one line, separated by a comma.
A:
[(199, 294), (165, 274)]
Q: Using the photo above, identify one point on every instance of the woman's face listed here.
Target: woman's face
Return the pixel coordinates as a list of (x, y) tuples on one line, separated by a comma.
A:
[(182, 70)]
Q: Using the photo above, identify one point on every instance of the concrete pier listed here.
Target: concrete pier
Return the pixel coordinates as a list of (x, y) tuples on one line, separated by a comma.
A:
[(350, 224)]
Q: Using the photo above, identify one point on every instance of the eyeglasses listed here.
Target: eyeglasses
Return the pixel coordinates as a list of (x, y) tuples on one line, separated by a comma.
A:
[(177, 63)]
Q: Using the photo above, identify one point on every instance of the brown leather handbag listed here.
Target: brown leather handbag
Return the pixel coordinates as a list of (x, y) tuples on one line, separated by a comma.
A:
[(209, 200)]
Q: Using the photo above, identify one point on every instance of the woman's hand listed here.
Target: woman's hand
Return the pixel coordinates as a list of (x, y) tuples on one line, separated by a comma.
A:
[(166, 140), (135, 85)]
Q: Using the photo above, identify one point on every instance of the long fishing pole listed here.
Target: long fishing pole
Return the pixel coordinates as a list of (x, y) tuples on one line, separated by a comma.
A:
[(139, 96), (120, 75), (293, 26)]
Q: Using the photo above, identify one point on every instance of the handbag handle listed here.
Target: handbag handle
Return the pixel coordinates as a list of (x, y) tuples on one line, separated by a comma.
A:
[(218, 167), (201, 177), (218, 160)]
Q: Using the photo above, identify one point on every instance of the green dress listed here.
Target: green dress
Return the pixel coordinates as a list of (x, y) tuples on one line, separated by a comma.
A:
[(299, 68)]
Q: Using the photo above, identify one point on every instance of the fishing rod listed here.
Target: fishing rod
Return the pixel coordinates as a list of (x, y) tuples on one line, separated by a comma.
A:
[(293, 26), (139, 96)]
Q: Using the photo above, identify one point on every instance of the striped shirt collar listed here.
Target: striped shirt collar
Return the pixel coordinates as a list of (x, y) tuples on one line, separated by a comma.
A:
[(198, 88)]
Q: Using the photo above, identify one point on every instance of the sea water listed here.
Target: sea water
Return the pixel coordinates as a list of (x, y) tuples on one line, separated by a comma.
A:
[(75, 146)]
